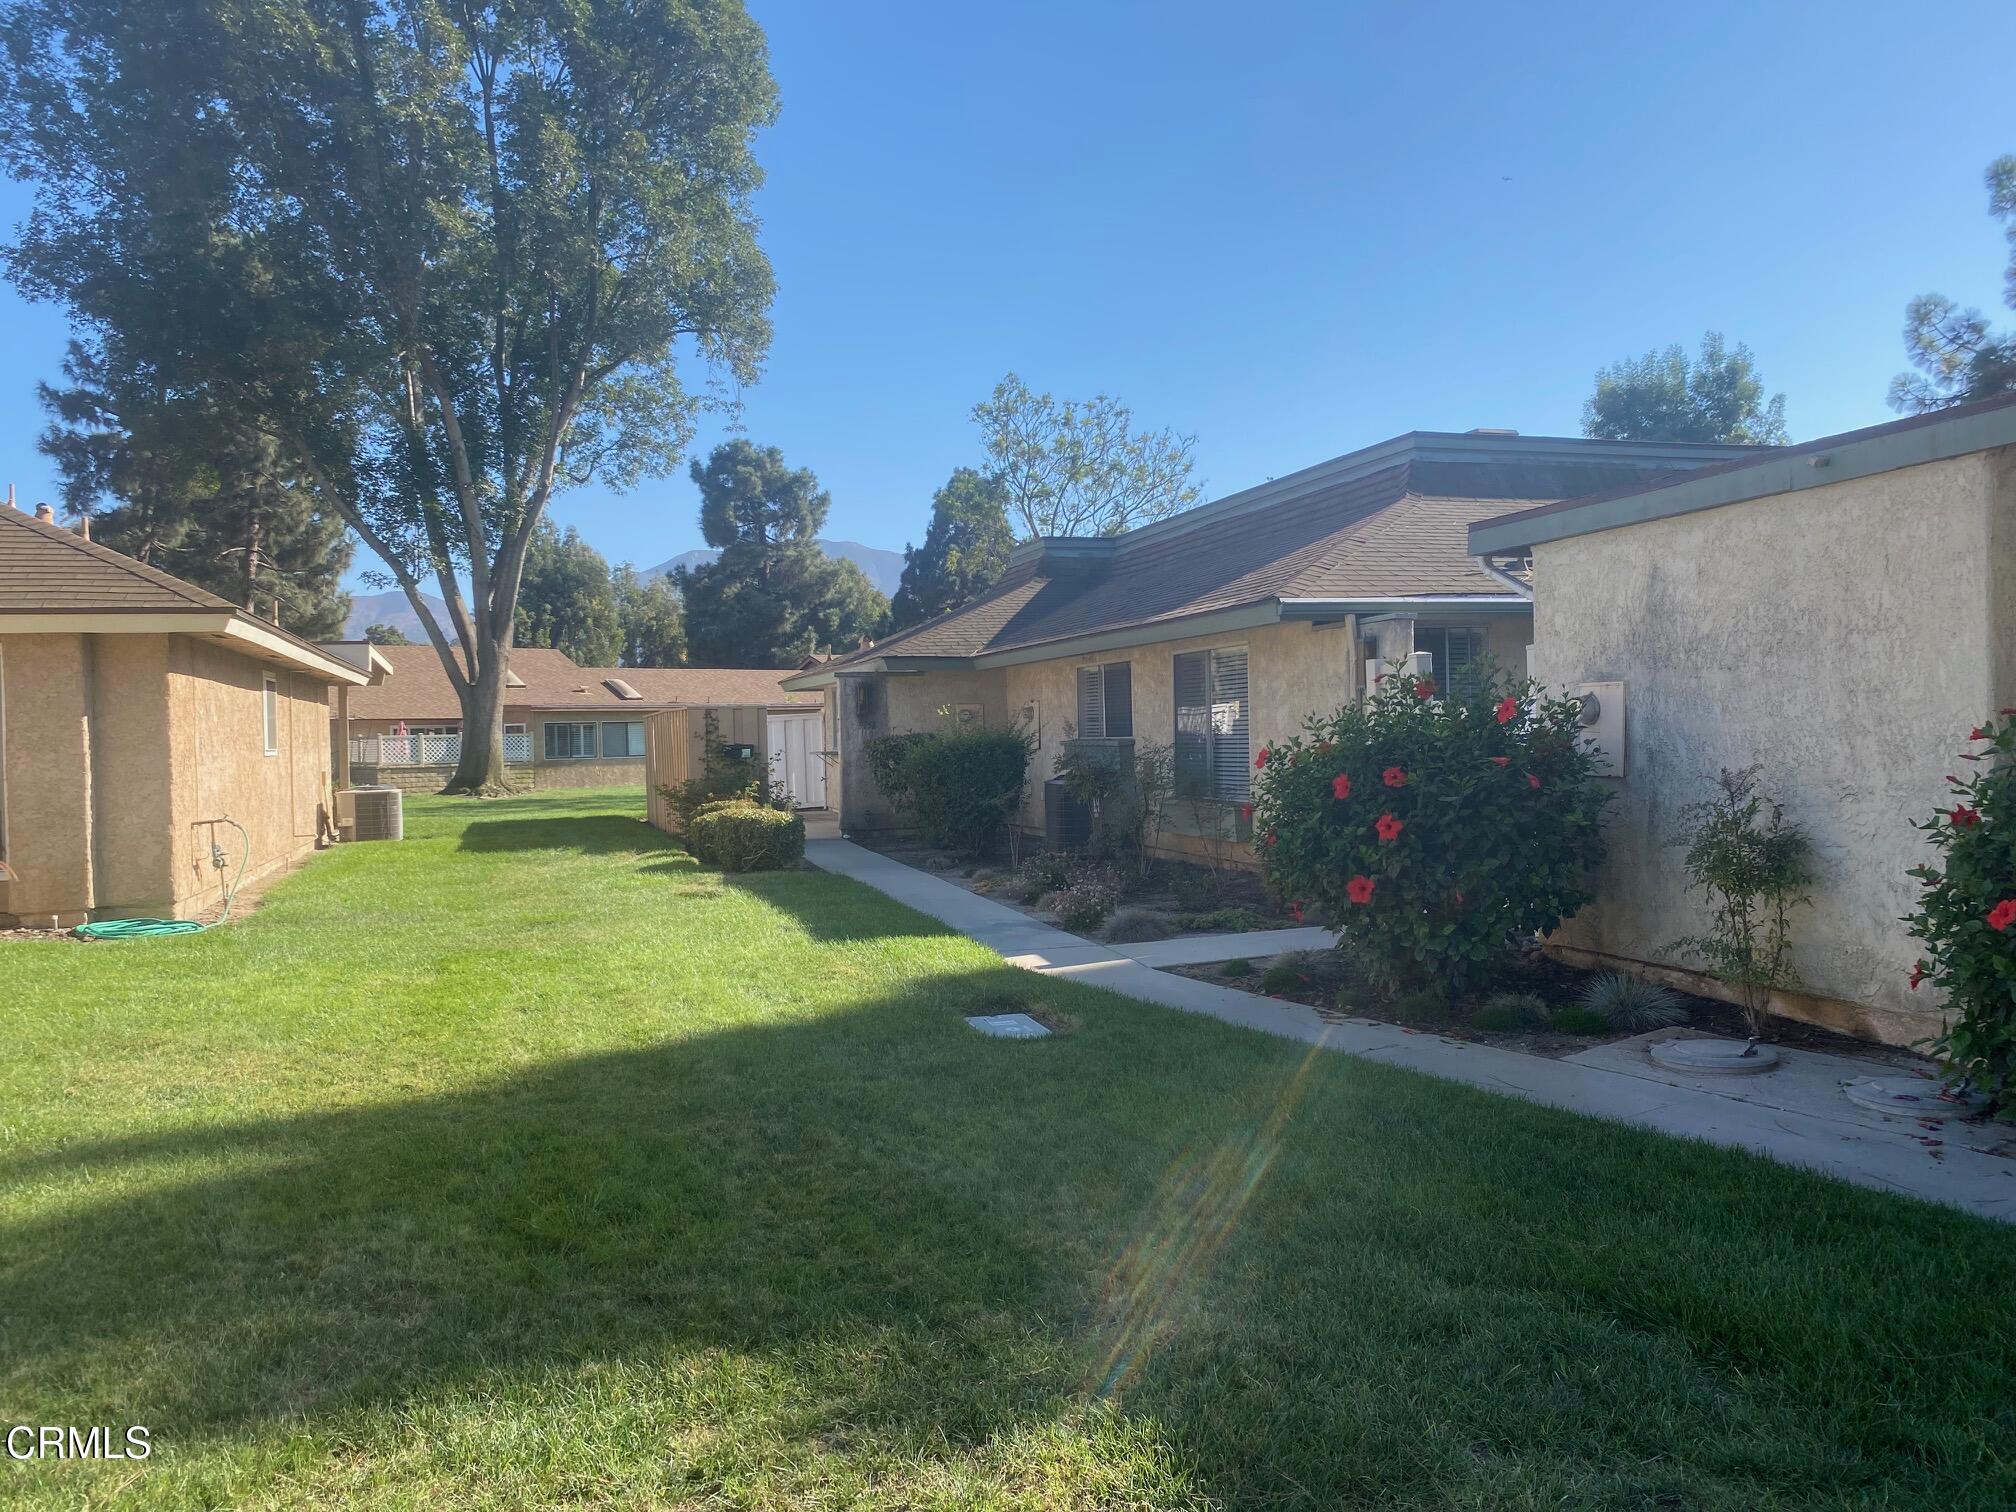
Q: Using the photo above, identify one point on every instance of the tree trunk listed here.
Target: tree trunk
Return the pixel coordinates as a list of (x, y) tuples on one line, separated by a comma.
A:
[(480, 772)]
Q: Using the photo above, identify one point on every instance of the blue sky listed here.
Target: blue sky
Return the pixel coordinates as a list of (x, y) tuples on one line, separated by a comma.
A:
[(1297, 229)]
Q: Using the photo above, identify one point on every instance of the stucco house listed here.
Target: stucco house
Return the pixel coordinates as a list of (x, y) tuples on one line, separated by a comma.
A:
[(1841, 612), (138, 713), (1222, 628), (565, 725)]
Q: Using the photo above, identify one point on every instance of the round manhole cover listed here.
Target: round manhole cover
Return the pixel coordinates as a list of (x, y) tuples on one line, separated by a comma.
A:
[(1912, 1097), (1715, 1057)]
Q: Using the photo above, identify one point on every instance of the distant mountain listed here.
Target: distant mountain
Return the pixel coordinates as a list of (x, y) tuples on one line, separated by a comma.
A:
[(884, 568), (391, 608)]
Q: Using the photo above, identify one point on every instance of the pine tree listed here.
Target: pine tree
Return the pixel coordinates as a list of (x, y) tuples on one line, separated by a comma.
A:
[(965, 550)]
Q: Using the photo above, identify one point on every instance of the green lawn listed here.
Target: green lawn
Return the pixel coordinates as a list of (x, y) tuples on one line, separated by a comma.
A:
[(527, 1163)]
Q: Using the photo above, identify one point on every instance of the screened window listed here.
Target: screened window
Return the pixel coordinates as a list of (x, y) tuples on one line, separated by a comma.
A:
[(1106, 701), (569, 742), (1213, 747), (269, 712), (1455, 654), (623, 737)]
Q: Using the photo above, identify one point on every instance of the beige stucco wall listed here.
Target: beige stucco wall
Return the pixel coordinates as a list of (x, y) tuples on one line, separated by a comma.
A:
[(1846, 637), (119, 751), (1293, 670)]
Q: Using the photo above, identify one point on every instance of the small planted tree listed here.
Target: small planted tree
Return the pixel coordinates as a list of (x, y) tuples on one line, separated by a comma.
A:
[(1967, 916), (1753, 867), (1438, 833)]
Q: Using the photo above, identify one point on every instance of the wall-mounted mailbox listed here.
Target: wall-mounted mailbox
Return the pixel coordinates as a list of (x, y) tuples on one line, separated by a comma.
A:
[(1603, 723), (740, 752)]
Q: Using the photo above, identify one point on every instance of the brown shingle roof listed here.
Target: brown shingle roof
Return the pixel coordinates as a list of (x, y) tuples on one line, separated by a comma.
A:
[(1369, 538), (418, 688), (47, 569)]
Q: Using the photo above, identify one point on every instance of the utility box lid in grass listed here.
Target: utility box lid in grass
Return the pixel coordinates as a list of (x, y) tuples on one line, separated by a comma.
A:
[(1008, 1026)]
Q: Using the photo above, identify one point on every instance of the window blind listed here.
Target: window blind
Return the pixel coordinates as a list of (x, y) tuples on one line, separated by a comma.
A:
[(1231, 751)]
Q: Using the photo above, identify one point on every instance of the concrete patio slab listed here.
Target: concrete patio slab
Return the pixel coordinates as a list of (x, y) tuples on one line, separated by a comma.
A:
[(1616, 1082)]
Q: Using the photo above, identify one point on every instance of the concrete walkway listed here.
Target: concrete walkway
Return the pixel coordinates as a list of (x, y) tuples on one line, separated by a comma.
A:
[(1845, 1143)]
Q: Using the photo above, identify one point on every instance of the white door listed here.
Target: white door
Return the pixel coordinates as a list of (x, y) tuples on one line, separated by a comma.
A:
[(795, 759)]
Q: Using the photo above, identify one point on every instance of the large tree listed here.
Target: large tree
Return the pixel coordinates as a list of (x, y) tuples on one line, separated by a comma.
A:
[(964, 553), (1074, 467), (1959, 356), (450, 254), (652, 619), (1665, 396), (567, 600), (772, 596), (186, 484)]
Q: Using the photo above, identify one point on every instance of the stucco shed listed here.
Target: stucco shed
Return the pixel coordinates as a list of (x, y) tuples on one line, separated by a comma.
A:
[(1841, 613), (138, 712)]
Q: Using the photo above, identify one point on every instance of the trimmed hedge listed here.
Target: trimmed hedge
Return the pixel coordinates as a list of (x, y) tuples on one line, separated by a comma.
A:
[(959, 787), (738, 836)]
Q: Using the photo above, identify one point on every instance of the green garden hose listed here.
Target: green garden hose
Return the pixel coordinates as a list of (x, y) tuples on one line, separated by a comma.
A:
[(141, 929)]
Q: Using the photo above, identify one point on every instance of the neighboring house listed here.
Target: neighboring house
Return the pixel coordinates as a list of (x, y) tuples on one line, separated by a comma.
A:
[(1222, 628), (138, 713), (1841, 613), (564, 725)]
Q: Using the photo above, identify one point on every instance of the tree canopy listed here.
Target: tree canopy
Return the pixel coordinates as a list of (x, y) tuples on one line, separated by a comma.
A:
[(1959, 356), (450, 257), (182, 483), (386, 635), (652, 620), (567, 600), (772, 596), (964, 553), (1078, 467), (1664, 396)]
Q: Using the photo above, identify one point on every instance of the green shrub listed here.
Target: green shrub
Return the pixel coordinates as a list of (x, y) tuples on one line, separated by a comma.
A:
[(1135, 924), (1967, 917), (959, 787), (1221, 921), (1321, 969), (1436, 834), (1753, 868), (740, 836), (1196, 890), (723, 775), (1509, 1011), (1426, 1006), (1044, 872), (1091, 896), (1573, 1018), (1626, 1003), (1238, 968)]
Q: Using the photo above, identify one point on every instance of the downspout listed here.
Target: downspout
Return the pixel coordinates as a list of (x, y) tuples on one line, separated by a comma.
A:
[(1500, 575), (94, 779)]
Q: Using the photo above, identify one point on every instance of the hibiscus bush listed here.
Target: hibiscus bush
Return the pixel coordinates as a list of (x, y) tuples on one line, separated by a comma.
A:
[(1967, 915), (1438, 834)]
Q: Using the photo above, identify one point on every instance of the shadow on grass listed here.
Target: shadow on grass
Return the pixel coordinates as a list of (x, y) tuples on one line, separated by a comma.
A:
[(759, 1189)]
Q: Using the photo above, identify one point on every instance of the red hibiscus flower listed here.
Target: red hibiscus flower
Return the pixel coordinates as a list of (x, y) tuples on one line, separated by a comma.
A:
[(1389, 828), (1271, 837), (1917, 975), (1261, 760), (1501, 761), (1295, 910), (1393, 777), (1977, 733), (1245, 811), (1533, 782), (2002, 915), (1964, 817), (1359, 889), (1425, 689), (1508, 710), (1340, 786)]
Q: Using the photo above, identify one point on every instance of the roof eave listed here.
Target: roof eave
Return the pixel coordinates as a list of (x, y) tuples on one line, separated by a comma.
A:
[(241, 632)]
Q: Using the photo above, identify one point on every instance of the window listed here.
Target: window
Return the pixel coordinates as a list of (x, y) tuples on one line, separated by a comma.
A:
[(1454, 656), (269, 710), (622, 737), (570, 742), (1106, 702), (1213, 758)]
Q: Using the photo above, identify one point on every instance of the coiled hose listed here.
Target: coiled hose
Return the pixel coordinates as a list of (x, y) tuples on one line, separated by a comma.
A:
[(140, 929)]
